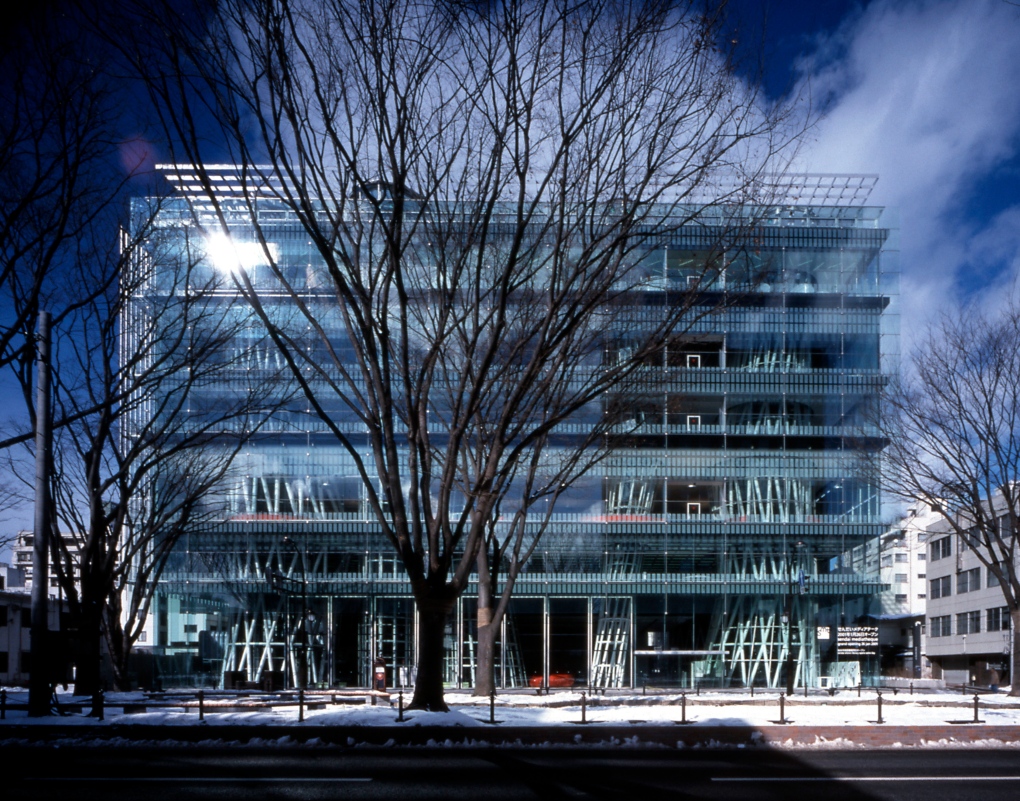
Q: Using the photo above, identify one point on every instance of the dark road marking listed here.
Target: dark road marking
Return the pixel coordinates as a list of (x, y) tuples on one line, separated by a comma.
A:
[(865, 778)]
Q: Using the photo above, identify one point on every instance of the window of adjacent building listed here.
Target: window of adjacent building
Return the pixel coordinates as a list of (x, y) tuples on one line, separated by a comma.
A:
[(921, 575), (992, 580), (901, 578), (968, 622), (902, 557), (901, 599), (968, 580), (997, 619), (940, 626), (921, 596), (921, 557), (941, 587), (887, 560), (942, 548), (24, 556)]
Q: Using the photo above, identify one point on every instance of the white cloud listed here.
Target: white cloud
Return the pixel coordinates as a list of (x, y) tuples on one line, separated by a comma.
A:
[(927, 94)]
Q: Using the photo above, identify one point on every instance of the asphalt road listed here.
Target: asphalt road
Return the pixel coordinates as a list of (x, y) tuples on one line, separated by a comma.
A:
[(494, 774)]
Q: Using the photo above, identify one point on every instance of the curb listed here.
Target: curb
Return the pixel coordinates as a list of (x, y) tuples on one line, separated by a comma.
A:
[(673, 736)]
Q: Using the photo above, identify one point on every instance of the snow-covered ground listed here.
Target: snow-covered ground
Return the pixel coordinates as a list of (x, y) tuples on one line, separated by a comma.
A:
[(562, 708)]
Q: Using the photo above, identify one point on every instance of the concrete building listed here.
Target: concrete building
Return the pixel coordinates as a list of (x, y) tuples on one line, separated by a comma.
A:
[(969, 637), (704, 549)]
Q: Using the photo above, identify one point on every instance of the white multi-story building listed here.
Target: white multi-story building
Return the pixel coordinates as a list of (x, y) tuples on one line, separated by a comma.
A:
[(23, 549), (969, 639), (898, 559)]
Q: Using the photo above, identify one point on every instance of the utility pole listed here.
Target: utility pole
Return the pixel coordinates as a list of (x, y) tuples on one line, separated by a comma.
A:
[(39, 691)]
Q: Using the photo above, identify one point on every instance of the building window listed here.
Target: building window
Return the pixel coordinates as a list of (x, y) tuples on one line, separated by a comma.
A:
[(997, 619), (940, 549), (941, 587), (922, 575), (887, 560), (143, 636), (968, 622), (901, 578), (968, 581), (902, 557), (940, 626), (24, 556), (922, 557), (901, 599), (921, 596), (992, 580)]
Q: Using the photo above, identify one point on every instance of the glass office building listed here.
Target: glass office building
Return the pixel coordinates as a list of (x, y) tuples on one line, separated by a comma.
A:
[(703, 551)]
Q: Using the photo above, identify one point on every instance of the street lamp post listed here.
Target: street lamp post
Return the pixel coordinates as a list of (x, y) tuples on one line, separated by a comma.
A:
[(790, 662)]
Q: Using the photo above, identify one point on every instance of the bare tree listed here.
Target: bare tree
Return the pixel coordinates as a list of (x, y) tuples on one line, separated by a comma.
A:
[(953, 427), (145, 452), (482, 184), (60, 181)]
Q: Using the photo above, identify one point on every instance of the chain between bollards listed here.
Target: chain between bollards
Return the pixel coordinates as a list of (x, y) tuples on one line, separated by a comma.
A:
[(880, 707)]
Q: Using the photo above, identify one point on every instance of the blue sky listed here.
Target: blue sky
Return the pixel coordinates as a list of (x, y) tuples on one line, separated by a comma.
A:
[(925, 93)]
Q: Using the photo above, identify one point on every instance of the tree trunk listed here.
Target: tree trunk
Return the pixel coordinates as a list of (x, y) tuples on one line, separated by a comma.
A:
[(485, 662), (485, 667), (88, 678), (120, 651), (428, 685)]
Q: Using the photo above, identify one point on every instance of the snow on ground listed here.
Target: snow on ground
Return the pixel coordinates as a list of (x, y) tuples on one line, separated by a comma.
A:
[(523, 708)]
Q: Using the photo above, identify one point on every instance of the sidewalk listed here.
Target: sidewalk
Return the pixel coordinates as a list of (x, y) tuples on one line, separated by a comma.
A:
[(926, 719)]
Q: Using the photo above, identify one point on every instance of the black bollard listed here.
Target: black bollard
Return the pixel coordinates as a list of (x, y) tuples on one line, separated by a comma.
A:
[(805, 688), (911, 688), (492, 708), (301, 706), (3, 704), (644, 688), (584, 709), (97, 705), (782, 707), (201, 706), (880, 707), (858, 690), (752, 691), (976, 708), (683, 707), (400, 707)]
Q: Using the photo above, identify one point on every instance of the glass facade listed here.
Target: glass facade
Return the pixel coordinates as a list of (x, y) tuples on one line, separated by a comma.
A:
[(703, 550)]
